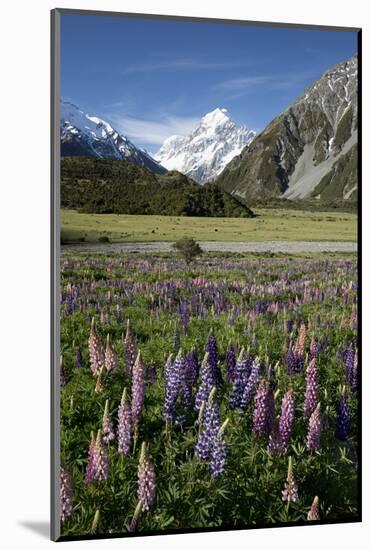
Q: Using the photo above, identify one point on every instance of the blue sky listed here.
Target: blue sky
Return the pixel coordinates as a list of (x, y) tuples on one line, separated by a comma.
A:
[(154, 78)]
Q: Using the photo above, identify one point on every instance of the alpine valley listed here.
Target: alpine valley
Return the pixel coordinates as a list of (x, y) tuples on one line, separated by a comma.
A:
[(307, 155)]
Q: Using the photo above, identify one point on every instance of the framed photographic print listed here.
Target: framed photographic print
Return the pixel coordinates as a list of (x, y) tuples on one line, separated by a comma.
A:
[(206, 298)]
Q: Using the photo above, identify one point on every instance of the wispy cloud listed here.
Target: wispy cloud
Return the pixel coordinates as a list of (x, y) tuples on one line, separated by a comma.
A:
[(180, 64), (154, 131), (243, 83), (238, 87)]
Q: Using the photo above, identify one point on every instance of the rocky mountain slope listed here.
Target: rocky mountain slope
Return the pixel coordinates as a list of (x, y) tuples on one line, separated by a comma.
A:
[(309, 151), (207, 150), (90, 136)]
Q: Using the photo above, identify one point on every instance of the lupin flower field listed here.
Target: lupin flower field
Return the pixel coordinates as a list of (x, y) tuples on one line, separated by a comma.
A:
[(217, 394)]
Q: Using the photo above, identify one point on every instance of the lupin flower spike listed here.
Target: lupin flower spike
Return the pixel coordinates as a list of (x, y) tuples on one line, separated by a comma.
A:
[(95, 524), (290, 492), (124, 425), (146, 480), (107, 428), (313, 514)]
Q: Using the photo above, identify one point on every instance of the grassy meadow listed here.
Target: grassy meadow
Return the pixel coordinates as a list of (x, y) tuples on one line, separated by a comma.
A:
[(269, 224)]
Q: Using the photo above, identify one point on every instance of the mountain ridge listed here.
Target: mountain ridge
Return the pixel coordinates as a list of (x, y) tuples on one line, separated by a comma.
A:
[(294, 153), (91, 136)]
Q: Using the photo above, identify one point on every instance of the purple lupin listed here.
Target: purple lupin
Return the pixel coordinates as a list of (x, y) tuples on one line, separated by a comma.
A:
[(130, 349), (261, 421), (110, 357), (65, 494), (313, 348), (212, 348), (108, 434), (314, 430), (311, 391), (219, 453), (90, 468), (230, 359), (342, 420), (100, 459), (241, 376), (206, 384), (172, 375), (290, 491), (146, 480), (96, 355), (279, 437), (193, 368), (313, 514), (137, 392), (124, 425), (209, 423), (286, 421), (251, 385)]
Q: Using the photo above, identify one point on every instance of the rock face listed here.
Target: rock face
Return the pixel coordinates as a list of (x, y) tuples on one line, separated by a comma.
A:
[(84, 135), (309, 151), (207, 150)]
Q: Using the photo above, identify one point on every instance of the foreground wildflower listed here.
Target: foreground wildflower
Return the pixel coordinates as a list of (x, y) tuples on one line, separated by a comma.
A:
[(206, 384), (212, 348), (65, 494), (209, 427), (230, 358), (124, 425), (107, 429), (241, 376), (313, 514), (286, 421), (279, 437), (130, 349), (186, 375), (137, 391), (262, 415), (135, 519), (219, 453), (146, 480), (314, 430), (100, 459), (311, 391), (342, 420), (172, 375), (95, 524), (90, 468), (97, 467), (110, 357), (193, 368), (290, 492), (300, 342), (251, 385), (96, 355)]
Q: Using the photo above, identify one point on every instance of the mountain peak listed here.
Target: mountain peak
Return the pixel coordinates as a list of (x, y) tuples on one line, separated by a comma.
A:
[(91, 136), (204, 153)]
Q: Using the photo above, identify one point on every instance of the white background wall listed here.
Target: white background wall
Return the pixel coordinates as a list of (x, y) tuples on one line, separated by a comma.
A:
[(24, 218)]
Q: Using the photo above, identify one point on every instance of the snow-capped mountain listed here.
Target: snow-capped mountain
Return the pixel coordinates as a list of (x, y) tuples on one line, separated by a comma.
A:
[(90, 136), (203, 154), (309, 150)]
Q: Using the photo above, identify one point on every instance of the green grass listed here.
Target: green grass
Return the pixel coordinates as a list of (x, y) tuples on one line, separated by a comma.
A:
[(269, 225)]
